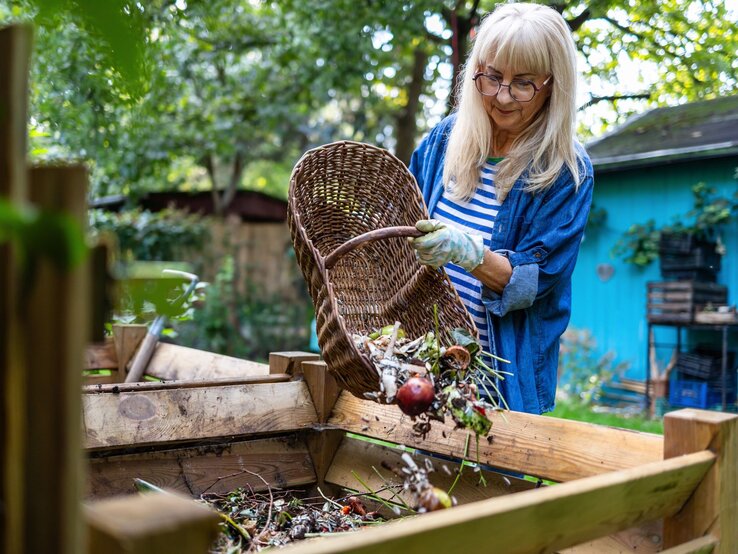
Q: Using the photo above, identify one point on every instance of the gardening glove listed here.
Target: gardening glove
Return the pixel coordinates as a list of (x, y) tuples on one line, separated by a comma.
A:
[(445, 243)]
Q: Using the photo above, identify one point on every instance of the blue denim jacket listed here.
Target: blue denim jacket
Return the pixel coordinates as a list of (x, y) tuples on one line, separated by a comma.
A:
[(540, 235)]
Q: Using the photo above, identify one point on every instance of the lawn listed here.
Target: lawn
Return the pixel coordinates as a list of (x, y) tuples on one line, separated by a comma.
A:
[(581, 412)]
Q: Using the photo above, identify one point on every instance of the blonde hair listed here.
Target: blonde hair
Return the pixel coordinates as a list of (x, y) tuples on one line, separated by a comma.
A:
[(537, 39)]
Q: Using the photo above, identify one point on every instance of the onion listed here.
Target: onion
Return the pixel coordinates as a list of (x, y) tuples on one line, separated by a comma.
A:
[(415, 396)]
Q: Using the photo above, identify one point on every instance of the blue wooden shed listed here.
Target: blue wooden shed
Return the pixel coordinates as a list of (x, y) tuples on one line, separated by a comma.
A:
[(644, 170)]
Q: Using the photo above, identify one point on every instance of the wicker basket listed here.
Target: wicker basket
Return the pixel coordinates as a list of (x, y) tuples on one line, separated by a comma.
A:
[(338, 193)]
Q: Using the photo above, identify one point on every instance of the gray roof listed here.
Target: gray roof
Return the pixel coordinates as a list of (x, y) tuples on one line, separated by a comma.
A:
[(701, 130)]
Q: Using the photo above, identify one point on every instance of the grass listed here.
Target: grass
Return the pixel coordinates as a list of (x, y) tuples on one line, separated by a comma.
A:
[(581, 412)]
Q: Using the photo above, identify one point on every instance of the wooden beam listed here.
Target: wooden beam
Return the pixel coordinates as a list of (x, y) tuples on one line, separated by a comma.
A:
[(290, 362), (172, 362), (15, 54), (55, 331), (322, 446), (551, 448), (323, 387), (643, 539), (150, 524), (169, 416), (542, 520), (217, 468), (117, 388), (713, 508), (363, 457)]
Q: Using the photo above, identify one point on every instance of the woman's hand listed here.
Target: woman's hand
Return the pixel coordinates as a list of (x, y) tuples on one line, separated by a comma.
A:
[(444, 243)]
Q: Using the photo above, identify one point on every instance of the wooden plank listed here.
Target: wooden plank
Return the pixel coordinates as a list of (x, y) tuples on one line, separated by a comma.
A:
[(167, 416), (171, 362), (117, 388), (643, 539), (703, 545), (547, 447), (713, 508), (542, 520), (15, 54), (322, 446), (362, 457), (101, 355), (218, 468), (126, 339), (290, 362), (57, 318), (150, 524)]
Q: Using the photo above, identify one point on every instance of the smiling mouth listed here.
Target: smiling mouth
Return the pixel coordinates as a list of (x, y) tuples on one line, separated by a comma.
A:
[(505, 112)]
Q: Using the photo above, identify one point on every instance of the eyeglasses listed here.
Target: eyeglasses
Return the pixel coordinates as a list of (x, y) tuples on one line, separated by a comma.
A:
[(521, 90)]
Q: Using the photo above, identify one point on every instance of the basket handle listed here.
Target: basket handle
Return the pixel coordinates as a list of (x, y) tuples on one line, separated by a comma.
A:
[(378, 234)]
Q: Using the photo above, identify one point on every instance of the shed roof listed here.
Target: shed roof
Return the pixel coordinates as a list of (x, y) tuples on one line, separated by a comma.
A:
[(696, 130), (249, 205)]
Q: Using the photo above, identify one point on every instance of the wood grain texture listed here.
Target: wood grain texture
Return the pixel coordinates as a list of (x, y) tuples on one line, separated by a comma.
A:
[(117, 388), (283, 462), (150, 524), (172, 362), (542, 521), (101, 355), (324, 389), (551, 448), (15, 54), (713, 508), (643, 539), (126, 339), (168, 416), (362, 457)]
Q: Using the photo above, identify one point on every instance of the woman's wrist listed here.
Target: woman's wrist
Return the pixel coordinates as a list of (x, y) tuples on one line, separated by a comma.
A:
[(494, 271)]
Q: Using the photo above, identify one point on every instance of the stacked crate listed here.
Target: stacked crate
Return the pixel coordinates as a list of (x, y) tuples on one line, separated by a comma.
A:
[(684, 256), (677, 302), (699, 381)]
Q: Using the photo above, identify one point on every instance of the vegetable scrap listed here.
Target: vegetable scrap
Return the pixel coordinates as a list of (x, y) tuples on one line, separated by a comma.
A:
[(254, 521), (428, 380)]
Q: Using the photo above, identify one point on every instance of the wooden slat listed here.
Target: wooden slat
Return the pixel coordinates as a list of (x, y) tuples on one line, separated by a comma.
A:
[(713, 508), (290, 362), (117, 388), (360, 456), (555, 449), (150, 524), (54, 333), (15, 54), (220, 468), (172, 362), (127, 339), (542, 520), (157, 417), (643, 539)]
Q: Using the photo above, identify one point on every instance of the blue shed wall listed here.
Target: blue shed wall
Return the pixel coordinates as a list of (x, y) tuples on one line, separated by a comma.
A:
[(614, 309)]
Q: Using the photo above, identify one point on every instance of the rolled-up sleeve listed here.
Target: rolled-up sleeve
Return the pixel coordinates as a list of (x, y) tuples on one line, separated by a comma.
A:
[(547, 249)]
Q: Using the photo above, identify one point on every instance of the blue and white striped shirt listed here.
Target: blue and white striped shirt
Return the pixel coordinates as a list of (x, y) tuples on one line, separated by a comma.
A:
[(477, 216)]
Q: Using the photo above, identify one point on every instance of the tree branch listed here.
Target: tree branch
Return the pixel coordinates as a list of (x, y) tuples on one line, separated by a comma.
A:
[(597, 99)]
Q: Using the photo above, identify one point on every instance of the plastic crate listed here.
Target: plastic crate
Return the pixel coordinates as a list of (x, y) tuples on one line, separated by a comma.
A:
[(697, 394)]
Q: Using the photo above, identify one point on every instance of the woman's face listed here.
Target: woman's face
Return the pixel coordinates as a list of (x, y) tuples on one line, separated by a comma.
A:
[(507, 113)]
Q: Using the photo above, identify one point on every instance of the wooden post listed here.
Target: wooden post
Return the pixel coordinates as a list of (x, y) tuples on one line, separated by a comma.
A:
[(127, 340), (15, 53), (54, 332), (153, 523), (713, 508), (323, 388), (290, 362)]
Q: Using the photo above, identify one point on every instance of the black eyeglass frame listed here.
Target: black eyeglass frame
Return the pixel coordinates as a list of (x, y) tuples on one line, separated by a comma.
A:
[(509, 89)]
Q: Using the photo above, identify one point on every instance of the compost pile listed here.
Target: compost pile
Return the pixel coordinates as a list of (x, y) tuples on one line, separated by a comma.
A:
[(429, 381), (255, 521)]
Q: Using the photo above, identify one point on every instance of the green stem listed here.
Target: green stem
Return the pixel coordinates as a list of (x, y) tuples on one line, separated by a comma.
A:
[(461, 467)]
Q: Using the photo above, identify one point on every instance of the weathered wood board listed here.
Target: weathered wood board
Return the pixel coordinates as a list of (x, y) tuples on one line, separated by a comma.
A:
[(283, 462), (551, 448), (168, 416)]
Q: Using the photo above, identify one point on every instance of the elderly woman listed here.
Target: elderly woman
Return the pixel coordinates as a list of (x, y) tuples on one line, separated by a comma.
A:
[(509, 188)]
